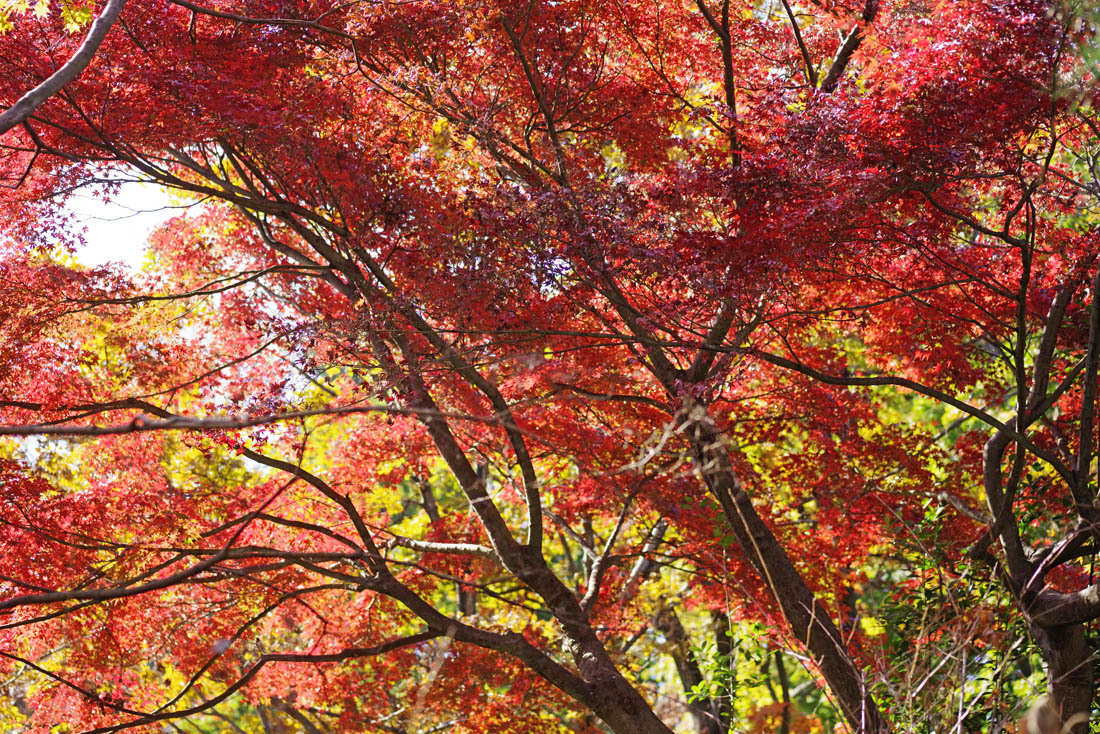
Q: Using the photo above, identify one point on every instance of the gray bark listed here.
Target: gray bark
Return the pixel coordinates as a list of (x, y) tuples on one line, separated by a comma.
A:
[(32, 100), (1068, 658)]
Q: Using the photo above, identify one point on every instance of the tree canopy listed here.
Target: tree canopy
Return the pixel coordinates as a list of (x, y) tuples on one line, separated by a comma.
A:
[(635, 366)]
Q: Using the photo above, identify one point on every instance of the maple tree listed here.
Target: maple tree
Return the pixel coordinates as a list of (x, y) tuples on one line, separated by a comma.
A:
[(553, 366)]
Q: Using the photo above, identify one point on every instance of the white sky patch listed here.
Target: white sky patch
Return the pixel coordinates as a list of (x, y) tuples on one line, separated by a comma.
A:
[(116, 231)]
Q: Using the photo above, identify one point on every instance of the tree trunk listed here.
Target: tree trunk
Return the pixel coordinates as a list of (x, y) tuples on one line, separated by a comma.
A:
[(808, 618), (1070, 684), (705, 710), (624, 710)]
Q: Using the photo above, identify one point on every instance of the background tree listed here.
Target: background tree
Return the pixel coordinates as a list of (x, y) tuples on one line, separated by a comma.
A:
[(555, 367)]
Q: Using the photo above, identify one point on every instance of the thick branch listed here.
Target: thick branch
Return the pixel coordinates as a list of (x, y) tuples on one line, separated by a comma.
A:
[(1088, 399), (809, 621), (848, 48), (32, 100)]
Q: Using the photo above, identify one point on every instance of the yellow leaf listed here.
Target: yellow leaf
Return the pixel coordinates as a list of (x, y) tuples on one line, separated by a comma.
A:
[(871, 627)]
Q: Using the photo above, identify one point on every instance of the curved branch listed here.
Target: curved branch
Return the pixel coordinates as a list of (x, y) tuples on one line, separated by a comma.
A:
[(1008, 429), (142, 424), (251, 20), (1055, 608), (32, 100), (345, 654)]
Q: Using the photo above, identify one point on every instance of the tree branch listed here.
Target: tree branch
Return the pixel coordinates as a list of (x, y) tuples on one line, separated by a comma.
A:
[(848, 48), (808, 65), (32, 100)]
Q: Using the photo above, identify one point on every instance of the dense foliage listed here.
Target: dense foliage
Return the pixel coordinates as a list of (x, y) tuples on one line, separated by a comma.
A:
[(552, 366)]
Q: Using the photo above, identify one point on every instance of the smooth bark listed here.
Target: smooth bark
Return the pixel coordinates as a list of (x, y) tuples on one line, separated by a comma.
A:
[(32, 100)]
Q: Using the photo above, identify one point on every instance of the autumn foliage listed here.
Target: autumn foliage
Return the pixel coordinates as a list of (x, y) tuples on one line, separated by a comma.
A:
[(573, 366)]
